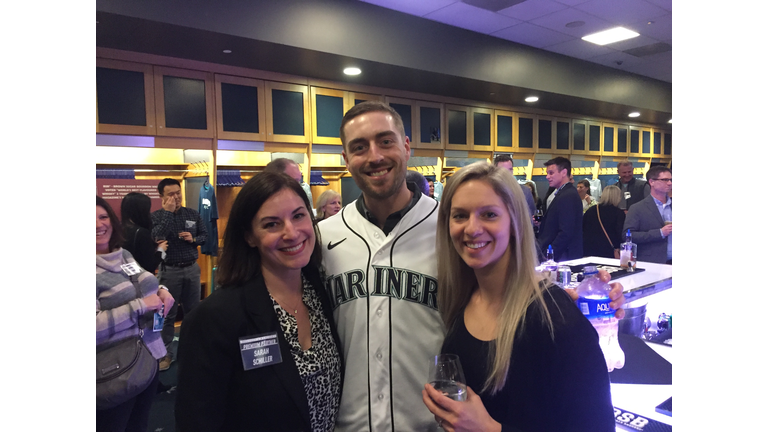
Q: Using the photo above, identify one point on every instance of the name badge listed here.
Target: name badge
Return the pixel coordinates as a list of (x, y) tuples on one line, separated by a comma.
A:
[(260, 350), (131, 268), (627, 195), (190, 224)]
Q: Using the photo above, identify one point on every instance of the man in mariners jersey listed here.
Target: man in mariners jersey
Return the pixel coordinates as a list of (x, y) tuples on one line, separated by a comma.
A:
[(381, 273), (382, 278)]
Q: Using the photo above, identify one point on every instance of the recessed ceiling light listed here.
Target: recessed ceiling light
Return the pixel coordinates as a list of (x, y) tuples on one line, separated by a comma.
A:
[(227, 51), (670, 121), (531, 98), (634, 114), (352, 71), (610, 36)]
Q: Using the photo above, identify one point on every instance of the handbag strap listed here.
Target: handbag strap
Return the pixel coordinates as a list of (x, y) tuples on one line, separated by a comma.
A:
[(601, 226), (146, 321)]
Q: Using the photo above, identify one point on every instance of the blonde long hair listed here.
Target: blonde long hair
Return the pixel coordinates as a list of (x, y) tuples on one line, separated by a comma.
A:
[(323, 200), (457, 280)]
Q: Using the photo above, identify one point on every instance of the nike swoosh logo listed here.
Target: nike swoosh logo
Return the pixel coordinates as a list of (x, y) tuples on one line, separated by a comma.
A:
[(333, 245)]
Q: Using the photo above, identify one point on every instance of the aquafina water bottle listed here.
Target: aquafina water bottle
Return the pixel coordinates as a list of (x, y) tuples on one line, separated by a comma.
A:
[(593, 302)]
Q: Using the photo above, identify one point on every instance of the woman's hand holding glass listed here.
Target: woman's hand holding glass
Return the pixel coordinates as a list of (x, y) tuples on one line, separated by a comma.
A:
[(451, 415)]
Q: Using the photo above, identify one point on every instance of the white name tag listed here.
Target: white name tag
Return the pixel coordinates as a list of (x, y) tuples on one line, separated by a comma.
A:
[(131, 268)]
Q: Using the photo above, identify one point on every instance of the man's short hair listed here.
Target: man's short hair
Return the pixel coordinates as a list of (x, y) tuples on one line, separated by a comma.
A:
[(624, 162), (420, 180), (279, 165), (366, 107), (501, 158), (166, 182), (561, 162), (654, 172)]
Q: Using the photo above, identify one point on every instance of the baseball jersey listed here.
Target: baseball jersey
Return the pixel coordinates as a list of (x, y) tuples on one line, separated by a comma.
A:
[(383, 290)]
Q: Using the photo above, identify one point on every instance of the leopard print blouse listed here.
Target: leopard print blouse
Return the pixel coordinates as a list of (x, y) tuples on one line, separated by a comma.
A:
[(319, 366)]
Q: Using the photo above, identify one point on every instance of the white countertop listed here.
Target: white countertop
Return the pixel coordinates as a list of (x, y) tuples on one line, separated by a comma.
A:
[(642, 399)]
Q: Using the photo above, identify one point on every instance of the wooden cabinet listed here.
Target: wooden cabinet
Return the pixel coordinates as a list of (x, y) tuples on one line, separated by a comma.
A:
[(240, 108), (614, 140), (408, 113), (431, 126), (562, 131), (328, 108), (482, 129), (184, 102), (287, 107), (667, 143), (504, 123), (587, 137), (656, 143), (527, 132), (458, 127), (125, 102)]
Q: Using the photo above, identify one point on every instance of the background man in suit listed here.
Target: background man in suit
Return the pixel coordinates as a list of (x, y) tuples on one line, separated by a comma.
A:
[(650, 220), (505, 161), (632, 190), (561, 224)]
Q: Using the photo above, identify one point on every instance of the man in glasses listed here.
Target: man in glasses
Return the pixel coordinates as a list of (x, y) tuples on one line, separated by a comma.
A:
[(650, 220)]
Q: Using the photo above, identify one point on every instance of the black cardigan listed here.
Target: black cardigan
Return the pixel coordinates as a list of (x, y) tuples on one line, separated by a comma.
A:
[(595, 242), (214, 393)]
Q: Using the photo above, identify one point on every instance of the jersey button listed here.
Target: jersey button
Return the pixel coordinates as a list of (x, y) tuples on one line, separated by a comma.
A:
[(378, 356), (381, 396), (378, 312)]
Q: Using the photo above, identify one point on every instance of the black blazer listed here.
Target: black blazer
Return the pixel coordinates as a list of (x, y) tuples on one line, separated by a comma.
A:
[(214, 393), (595, 242), (561, 225)]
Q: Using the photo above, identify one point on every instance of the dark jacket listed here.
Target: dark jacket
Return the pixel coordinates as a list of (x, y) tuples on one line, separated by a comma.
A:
[(561, 225), (595, 241), (636, 188), (645, 223), (214, 392)]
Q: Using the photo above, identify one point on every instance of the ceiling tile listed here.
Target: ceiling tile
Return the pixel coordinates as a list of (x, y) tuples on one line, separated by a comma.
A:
[(531, 9), (472, 18), (661, 29), (556, 21), (418, 8), (532, 35), (571, 2), (664, 4), (579, 49), (622, 12), (632, 43)]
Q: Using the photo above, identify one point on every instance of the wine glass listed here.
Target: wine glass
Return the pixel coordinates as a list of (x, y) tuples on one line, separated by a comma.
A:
[(446, 376)]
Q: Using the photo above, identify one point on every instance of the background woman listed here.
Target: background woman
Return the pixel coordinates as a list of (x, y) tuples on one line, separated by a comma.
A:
[(118, 314), (525, 347), (270, 287), (137, 231), (532, 187), (596, 243), (328, 204), (582, 187)]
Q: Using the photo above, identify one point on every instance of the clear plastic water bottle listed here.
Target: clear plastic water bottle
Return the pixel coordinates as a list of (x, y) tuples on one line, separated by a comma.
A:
[(550, 265), (593, 302), (628, 253)]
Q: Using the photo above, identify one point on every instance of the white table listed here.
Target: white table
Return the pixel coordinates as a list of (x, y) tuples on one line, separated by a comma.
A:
[(642, 399)]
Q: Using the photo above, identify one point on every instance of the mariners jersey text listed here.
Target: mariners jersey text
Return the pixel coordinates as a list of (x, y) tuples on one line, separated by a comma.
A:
[(398, 283)]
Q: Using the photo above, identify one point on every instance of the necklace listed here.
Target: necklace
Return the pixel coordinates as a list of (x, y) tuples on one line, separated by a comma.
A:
[(295, 308)]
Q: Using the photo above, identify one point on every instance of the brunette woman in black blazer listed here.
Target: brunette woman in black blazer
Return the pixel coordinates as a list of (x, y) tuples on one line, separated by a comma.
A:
[(271, 291), (595, 241)]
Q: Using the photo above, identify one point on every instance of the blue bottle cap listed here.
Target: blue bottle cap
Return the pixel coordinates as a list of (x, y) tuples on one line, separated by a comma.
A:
[(590, 270)]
